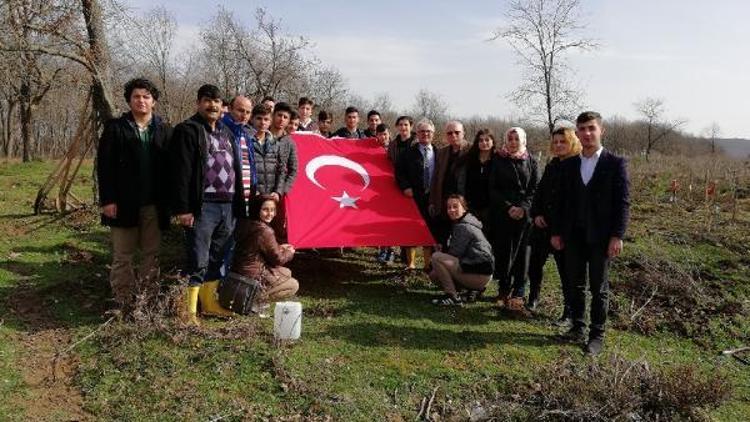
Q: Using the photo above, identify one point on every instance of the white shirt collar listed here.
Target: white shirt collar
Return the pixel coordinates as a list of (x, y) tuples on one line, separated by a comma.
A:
[(595, 155)]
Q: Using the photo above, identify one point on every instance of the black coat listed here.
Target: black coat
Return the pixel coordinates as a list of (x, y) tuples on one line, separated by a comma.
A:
[(609, 200), (410, 171), (546, 191), (189, 153), (512, 183), (118, 170)]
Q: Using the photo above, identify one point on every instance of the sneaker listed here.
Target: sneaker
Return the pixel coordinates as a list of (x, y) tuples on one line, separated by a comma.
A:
[(382, 257), (564, 322), (532, 305), (574, 335), (448, 300), (471, 295), (594, 346)]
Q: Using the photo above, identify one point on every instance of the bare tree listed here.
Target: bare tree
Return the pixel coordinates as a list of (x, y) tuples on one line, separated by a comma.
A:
[(713, 132), (542, 32), (657, 129), (430, 105), (30, 75), (328, 88), (145, 45)]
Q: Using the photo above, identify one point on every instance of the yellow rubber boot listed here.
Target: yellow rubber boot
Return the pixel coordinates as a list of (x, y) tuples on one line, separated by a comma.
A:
[(209, 303), (190, 316), (411, 257)]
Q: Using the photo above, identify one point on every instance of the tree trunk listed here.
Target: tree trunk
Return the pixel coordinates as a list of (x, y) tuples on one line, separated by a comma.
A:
[(25, 116), (100, 84)]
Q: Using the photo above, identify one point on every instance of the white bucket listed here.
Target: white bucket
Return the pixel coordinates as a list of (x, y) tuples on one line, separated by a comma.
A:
[(287, 320)]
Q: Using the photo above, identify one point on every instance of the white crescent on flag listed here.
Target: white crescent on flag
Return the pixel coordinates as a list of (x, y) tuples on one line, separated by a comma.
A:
[(335, 160)]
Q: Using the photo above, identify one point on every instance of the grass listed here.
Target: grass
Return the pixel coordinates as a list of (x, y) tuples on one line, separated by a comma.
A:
[(372, 348)]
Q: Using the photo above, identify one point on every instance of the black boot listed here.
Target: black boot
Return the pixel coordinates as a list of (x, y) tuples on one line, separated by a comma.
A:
[(565, 319), (533, 301)]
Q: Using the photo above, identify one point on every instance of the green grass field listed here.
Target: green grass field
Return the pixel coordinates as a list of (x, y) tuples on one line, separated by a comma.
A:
[(372, 348)]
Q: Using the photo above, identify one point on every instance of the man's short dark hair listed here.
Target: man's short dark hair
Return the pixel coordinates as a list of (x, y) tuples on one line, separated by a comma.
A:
[(225, 102), (324, 115), (407, 118), (293, 115), (261, 110), (141, 83), (380, 128), (268, 98), (282, 106), (304, 101), (588, 116), (209, 91), (351, 109), (372, 113)]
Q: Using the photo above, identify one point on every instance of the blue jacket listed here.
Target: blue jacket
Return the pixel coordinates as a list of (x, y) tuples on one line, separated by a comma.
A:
[(240, 131)]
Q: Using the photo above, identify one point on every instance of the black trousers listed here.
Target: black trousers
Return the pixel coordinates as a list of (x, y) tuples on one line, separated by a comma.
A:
[(511, 247), (540, 251), (581, 256)]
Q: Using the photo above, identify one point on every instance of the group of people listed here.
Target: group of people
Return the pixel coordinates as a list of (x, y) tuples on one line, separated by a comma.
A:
[(494, 218), (224, 174)]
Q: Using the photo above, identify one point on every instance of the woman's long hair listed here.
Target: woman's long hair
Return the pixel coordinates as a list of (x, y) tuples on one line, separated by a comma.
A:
[(473, 155)]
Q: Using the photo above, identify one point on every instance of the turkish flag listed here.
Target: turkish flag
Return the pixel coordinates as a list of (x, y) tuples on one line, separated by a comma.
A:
[(346, 194)]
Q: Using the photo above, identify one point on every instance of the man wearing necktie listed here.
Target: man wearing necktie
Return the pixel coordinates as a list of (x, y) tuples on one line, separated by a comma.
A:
[(415, 173)]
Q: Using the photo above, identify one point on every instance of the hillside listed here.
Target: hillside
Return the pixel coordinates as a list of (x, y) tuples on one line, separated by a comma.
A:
[(735, 147)]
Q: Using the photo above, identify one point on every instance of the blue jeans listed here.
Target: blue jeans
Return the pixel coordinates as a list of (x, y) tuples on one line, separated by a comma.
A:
[(207, 242)]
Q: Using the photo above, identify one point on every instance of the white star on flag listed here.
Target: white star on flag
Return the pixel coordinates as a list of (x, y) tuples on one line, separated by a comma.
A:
[(345, 200)]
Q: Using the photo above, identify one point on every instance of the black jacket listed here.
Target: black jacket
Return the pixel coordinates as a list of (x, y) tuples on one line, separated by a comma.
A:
[(609, 199), (512, 183), (189, 153), (410, 171), (546, 191), (118, 170), (344, 133)]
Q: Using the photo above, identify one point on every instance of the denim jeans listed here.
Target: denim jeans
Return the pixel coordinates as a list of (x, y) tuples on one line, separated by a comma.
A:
[(207, 242)]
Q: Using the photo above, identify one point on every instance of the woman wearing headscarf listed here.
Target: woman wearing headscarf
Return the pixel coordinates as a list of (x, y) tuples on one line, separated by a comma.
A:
[(563, 144), (512, 184)]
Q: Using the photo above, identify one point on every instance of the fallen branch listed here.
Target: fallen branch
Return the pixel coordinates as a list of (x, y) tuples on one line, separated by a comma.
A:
[(429, 404), (421, 408), (735, 354), (653, 293), (88, 336), (730, 352)]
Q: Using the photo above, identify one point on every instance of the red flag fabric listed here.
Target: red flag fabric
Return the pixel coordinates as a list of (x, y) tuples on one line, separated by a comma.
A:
[(345, 194)]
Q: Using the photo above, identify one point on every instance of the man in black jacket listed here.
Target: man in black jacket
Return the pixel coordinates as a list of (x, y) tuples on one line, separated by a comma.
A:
[(207, 187), (591, 215), (132, 167), (415, 174)]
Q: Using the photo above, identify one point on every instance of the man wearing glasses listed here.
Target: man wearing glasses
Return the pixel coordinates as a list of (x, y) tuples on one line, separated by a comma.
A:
[(449, 162), (415, 175)]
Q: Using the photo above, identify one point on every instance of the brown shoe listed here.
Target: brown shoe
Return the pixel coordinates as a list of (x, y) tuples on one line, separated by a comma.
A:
[(516, 304), (502, 302)]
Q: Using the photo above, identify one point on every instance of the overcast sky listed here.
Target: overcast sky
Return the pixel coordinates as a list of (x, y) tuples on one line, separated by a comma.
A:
[(692, 53)]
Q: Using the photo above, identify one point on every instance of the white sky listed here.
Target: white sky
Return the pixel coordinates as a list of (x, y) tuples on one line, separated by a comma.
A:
[(694, 54)]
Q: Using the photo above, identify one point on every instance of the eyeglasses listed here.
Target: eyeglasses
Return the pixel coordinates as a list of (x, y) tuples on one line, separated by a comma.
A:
[(453, 132), (425, 131)]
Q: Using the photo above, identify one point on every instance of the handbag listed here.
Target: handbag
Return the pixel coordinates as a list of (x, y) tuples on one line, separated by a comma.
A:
[(237, 293)]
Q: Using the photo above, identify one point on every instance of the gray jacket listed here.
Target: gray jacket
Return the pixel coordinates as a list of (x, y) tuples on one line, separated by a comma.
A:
[(288, 164), (267, 165), (468, 244)]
